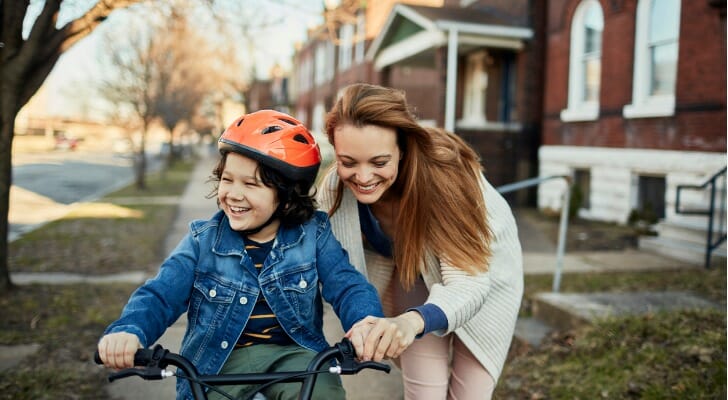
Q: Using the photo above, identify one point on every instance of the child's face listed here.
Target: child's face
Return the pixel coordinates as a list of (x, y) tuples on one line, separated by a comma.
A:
[(246, 201)]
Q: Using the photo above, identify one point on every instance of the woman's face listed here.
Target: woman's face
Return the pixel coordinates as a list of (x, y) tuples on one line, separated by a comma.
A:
[(367, 160), (246, 201)]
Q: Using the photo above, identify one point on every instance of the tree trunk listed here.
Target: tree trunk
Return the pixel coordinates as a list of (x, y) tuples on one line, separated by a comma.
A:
[(8, 111), (7, 123)]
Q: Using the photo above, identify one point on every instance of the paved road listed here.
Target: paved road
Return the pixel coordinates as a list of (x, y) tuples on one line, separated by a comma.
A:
[(46, 185)]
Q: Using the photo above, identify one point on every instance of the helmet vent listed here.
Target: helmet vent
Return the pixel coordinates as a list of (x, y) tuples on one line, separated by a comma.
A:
[(240, 121), (300, 138), (270, 129), (288, 121)]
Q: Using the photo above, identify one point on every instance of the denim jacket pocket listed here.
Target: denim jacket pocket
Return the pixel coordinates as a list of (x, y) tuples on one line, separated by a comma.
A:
[(210, 302), (300, 286)]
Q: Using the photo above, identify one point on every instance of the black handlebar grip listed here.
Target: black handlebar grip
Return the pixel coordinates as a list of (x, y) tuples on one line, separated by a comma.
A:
[(97, 358)]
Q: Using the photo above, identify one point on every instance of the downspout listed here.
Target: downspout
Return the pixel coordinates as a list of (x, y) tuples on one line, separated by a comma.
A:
[(451, 82)]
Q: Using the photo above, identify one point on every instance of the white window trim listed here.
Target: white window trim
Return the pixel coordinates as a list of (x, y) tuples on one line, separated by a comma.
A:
[(578, 110), (643, 105)]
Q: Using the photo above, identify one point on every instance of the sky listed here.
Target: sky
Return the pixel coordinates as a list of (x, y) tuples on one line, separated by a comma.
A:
[(77, 67)]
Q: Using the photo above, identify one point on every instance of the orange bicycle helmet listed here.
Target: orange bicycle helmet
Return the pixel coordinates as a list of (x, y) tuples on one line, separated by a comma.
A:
[(276, 140)]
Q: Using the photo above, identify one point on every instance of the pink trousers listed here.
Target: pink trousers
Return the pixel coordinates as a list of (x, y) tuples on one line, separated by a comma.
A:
[(439, 368)]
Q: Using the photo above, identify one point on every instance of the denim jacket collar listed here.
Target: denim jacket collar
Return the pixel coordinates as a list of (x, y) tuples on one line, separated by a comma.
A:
[(227, 241)]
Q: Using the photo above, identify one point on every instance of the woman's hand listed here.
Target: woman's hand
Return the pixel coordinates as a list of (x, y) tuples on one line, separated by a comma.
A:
[(117, 349), (375, 338)]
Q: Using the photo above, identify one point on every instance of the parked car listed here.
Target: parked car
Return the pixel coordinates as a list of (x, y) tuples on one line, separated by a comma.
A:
[(66, 143)]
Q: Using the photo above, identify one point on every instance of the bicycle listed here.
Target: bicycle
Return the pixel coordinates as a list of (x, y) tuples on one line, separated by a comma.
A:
[(155, 361)]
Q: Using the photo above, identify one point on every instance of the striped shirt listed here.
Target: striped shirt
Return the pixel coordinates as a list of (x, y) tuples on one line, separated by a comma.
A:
[(262, 326)]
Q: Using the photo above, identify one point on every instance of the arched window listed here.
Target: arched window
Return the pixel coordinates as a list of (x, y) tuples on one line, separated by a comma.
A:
[(655, 59), (585, 62)]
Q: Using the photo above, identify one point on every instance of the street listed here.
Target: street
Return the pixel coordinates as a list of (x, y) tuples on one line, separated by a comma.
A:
[(45, 185)]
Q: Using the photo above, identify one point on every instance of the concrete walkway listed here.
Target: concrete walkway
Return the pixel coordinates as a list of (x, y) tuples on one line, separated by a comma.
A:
[(539, 258)]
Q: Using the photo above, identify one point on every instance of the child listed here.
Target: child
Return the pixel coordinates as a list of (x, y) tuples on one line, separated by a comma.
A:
[(249, 277)]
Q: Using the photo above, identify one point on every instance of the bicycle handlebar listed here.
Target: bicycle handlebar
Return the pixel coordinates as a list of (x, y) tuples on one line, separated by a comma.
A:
[(155, 361)]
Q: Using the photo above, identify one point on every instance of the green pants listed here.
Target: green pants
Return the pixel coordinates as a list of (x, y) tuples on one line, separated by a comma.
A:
[(276, 358)]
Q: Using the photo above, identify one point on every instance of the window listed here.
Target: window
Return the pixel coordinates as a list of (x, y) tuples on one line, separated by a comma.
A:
[(581, 190), (585, 62), (324, 62), (650, 205), (656, 53), (360, 38), (346, 39), (476, 84), (318, 117)]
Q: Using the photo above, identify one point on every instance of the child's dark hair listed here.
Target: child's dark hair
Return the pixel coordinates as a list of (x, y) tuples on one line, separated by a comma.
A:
[(296, 200)]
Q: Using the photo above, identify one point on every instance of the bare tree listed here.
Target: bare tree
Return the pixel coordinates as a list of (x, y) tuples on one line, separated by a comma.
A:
[(157, 72), (187, 79), (25, 63)]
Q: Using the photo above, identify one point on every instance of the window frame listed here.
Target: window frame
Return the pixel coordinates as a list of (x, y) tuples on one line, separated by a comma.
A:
[(577, 108), (644, 104)]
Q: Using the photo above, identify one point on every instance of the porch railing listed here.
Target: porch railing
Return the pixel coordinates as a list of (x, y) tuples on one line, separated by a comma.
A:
[(710, 184), (563, 221)]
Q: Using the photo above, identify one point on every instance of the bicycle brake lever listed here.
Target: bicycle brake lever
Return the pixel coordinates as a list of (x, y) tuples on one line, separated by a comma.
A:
[(374, 365), (348, 364), (148, 374)]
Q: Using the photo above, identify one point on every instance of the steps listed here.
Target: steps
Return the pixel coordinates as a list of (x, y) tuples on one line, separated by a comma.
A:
[(565, 311), (683, 242)]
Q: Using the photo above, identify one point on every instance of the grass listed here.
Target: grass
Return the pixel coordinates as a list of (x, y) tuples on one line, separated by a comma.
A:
[(678, 355), (121, 232), (675, 355), (118, 233)]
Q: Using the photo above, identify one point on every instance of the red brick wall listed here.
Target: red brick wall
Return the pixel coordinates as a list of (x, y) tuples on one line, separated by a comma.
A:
[(699, 122)]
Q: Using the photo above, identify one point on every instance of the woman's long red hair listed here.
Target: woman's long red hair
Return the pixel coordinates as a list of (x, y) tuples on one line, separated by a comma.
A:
[(441, 204)]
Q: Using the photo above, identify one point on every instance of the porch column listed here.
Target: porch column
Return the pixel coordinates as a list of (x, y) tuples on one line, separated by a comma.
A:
[(451, 82)]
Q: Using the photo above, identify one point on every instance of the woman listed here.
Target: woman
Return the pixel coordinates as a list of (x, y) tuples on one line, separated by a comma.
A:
[(416, 215)]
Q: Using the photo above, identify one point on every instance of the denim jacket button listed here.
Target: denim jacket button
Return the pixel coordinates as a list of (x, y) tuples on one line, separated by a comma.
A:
[(224, 344), (302, 284), (243, 300), (213, 293)]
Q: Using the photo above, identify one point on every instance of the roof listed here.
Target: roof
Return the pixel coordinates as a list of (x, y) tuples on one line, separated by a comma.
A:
[(412, 33)]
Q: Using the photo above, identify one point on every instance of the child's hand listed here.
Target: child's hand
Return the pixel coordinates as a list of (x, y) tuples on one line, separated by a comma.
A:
[(117, 349), (374, 338)]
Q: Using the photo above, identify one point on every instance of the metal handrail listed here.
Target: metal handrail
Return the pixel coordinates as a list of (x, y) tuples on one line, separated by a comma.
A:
[(563, 221), (710, 183)]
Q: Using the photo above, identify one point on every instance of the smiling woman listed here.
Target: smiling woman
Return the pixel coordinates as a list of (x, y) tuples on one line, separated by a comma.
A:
[(415, 213)]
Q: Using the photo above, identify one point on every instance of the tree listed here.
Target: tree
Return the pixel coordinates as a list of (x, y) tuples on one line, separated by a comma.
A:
[(187, 77), (25, 62), (155, 73)]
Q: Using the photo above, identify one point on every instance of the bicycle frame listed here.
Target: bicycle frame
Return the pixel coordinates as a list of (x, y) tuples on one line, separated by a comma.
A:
[(156, 360)]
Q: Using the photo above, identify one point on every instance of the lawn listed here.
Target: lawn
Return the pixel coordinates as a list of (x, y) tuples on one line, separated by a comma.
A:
[(123, 231), (677, 355)]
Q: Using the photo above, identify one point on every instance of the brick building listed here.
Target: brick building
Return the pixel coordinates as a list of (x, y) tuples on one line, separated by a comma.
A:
[(635, 105), (473, 67)]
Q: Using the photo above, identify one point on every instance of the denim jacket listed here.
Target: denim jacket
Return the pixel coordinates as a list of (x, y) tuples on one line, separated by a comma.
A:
[(206, 277)]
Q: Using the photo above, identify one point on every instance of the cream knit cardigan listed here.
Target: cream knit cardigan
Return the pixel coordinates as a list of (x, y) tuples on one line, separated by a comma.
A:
[(482, 309)]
